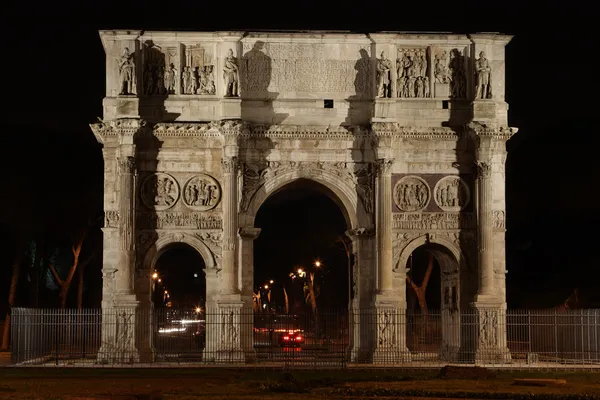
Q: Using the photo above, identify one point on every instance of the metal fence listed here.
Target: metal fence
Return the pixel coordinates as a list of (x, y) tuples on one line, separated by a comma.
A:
[(327, 339)]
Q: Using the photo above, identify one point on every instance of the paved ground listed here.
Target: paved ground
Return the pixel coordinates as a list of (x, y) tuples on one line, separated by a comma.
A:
[(201, 384)]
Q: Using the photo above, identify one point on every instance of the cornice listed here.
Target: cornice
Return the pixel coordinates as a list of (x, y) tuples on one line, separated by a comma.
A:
[(491, 131), (254, 131), (395, 130), (117, 127)]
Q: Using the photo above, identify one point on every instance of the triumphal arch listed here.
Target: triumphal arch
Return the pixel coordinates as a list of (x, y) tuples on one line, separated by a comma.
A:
[(406, 132)]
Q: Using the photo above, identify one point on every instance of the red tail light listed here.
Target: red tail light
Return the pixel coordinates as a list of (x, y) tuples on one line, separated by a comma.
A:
[(286, 338), (298, 337)]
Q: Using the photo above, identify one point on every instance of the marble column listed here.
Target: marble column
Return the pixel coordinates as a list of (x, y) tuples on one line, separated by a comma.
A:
[(384, 226), (389, 318), (491, 346), (485, 234), (124, 284), (230, 223)]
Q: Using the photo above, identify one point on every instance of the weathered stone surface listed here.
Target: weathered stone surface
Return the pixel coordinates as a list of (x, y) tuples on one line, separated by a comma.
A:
[(406, 130)]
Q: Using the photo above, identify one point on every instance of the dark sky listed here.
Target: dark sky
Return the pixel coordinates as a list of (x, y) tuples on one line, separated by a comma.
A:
[(53, 85)]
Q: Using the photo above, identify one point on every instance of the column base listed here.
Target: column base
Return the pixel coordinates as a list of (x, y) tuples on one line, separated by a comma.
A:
[(391, 356), (449, 353), (493, 355)]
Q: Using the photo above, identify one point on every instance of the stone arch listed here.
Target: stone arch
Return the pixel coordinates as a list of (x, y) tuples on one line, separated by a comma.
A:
[(345, 195), (446, 262), (163, 243)]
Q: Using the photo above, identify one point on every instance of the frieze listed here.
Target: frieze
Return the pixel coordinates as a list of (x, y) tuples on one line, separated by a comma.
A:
[(305, 132), (491, 130), (172, 219), (111, 219), (198, 74), (201, 192), (159, 191), (435, 220)]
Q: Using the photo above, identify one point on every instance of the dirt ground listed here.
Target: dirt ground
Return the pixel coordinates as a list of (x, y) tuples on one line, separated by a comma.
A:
[(192, 384)]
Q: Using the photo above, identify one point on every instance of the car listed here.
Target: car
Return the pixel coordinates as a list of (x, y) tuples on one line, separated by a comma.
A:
[(291, 339)]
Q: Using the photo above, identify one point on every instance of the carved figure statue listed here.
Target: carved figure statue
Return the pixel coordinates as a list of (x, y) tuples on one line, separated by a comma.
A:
[(231, 75), (207, 80), (170, 79), (483, 70), (457, 75), (384, 67), (127, 73), (186, 77)]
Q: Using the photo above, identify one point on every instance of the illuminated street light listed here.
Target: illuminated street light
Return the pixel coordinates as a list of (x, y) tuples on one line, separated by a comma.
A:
[(317, 263), (271, 281), (266, 286), (198, 310), (155, 275), (159, 280), (166, 292)]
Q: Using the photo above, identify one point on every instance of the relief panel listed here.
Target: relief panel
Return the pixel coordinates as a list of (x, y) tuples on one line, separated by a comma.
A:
[(412, 73), (449, 72), (159, 73), (432, 193), (198, 70)]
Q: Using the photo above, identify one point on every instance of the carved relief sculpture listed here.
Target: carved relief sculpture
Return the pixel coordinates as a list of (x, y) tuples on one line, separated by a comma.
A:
[(126, 73), (411, 193), (451, 193), (154, 70), (163, 220), (197, 77), (201, 192), (231, 75), (253, 178), (412, 80), (111, 219), (384, 79), (365, 182), (483, 70), (159, 191)]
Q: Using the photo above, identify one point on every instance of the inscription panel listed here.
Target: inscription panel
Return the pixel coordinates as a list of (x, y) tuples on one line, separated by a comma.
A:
[(277, 69)]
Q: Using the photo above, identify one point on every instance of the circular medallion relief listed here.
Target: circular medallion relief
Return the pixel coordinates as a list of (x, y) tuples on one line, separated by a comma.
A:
[(201, 192), (452, 193), (411, 193), (159, 191)]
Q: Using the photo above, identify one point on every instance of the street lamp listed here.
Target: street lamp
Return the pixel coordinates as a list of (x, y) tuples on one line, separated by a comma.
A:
[(155, 276), (271, 281), (318, 264)]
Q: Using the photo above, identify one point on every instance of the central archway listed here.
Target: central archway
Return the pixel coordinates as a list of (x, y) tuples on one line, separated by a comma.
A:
[(302, 266)]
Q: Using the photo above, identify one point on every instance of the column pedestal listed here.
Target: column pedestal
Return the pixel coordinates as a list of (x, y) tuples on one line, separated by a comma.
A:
[(230, 323), (390, 339), (120, 323), (491, 346)]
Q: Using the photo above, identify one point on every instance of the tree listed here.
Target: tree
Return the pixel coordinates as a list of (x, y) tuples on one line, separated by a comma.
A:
[(421, 289), (12, 294), (65, 284)]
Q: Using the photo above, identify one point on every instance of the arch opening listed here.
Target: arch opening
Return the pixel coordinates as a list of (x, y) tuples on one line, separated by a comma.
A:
[(178, 295), (433, 299), (303, 262)]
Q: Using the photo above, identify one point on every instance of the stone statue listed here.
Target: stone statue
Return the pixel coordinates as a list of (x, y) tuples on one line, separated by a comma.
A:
[(186, 77), (127, 73), (231, 75), (170, 79), (483, 70), (384, 66)]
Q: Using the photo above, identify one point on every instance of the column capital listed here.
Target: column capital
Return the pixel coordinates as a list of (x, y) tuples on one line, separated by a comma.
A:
[(230, 165), (126, 164), (249, 232), (384, 166), (483, 169)]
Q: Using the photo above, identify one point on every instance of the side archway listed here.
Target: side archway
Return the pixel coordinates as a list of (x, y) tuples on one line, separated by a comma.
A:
[(163, 242), (452, 269)]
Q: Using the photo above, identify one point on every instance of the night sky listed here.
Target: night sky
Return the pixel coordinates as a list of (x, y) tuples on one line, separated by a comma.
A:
[(53, 85)]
